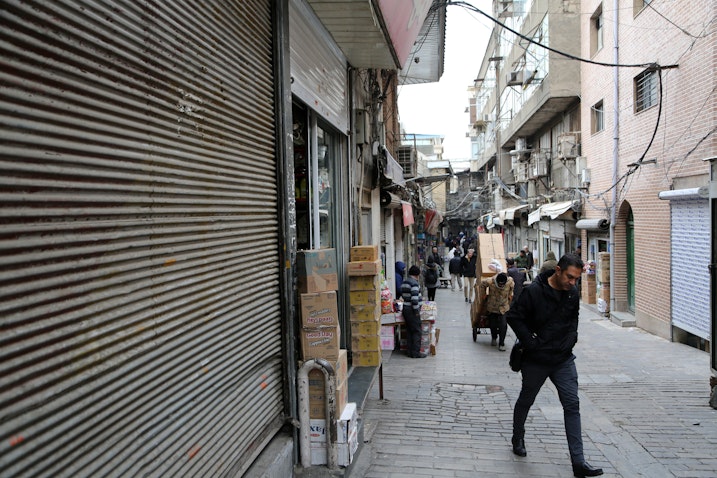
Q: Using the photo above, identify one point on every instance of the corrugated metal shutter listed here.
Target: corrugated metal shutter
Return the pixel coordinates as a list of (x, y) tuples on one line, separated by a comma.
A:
[(319, 72), (690, 239), (139, 282)]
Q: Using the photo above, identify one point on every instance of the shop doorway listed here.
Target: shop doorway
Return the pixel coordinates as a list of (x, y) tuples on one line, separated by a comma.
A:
[(630, 251)]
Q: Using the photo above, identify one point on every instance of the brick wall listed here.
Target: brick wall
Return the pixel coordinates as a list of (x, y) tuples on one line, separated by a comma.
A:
[(689, 113)]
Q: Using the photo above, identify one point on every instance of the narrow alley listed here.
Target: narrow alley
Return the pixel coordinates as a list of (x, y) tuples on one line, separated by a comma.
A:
[(644, 404)]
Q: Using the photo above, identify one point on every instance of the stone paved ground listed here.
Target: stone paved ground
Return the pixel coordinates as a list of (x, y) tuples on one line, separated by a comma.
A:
[(644, 403)]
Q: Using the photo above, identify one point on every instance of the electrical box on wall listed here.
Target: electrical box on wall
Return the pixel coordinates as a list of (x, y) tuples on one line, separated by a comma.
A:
[(361, 127)]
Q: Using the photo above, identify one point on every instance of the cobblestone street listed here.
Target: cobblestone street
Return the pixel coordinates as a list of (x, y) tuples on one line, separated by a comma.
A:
[(644, 404)]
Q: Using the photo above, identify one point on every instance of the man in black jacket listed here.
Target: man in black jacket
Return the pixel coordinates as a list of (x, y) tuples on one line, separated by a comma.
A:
[(545, 320)]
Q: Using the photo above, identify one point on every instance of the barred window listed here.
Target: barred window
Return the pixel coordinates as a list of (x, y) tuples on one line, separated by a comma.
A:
[(645, 90)]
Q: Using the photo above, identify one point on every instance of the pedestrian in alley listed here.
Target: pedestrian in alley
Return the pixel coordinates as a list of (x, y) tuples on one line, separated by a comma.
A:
[(519, 277), (455, 268), (468, 271), (549, 263), (545, 320), (400, 269), (411, 294), (431, 278), (497, 293)]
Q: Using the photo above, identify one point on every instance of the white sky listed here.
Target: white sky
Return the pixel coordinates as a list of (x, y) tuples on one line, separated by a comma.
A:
[(439, 108)]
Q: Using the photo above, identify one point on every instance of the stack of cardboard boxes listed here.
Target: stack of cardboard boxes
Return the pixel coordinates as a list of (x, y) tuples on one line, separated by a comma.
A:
[(604, 282), (364, 271), (588, 285), (320, 338)]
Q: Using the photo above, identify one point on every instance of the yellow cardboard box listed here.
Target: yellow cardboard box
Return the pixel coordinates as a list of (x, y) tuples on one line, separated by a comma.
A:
[(364, 268), (364, 253)]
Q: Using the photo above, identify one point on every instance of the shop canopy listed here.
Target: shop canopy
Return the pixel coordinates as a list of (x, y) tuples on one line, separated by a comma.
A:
[(509, 214), (553, 210)]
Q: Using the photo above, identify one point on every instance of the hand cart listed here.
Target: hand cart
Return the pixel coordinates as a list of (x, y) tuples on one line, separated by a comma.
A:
[(480, 323)]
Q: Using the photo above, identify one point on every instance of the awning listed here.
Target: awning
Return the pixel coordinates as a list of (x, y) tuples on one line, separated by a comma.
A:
[(509, 214), (553, 209), (600, 224), (690, 193)]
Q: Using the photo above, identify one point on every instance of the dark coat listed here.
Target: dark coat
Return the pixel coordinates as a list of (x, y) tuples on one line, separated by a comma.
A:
[(454, 266), (519, 278), (468, 267), (545, 321)]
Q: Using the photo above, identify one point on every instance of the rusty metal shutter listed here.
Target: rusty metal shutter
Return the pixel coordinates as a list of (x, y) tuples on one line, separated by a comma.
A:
[(140, 329)]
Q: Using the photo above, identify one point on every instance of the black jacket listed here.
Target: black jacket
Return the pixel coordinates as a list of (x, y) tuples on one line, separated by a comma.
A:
[(546, 321), (469, 266)]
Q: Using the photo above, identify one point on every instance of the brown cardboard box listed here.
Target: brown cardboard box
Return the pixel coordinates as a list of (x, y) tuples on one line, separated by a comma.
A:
[(320, 342), (364, 282), (364, 268), (604, 293), (490, 246), (365, 327), (316, 270), (319, 308), (365, 342), (367, 358), (370, 312), (364, 253), (365, 297), (317, 394)]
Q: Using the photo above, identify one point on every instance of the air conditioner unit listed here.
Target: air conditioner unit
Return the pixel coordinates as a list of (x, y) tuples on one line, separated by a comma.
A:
[(568, 146), (515, 78), (521, 172), (585, 177), (490, 176), (538, 165)]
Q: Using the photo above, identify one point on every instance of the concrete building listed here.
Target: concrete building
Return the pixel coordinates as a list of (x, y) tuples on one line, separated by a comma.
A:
[(525, 108)]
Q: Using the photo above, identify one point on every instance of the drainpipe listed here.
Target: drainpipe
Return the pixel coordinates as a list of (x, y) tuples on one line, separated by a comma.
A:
[(615, 146), (330, 402)]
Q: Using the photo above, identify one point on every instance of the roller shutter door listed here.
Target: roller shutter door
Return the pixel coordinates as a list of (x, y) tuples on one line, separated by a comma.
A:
[(690, 239), (140, 330)]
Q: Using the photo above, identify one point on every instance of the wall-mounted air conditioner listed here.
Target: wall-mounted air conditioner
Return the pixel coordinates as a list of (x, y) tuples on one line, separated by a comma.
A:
[(568, 145), (515, 78), (538, 165), (520, 172), (490, 176)]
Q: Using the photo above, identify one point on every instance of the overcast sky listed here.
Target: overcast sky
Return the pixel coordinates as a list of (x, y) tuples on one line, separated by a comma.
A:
[(439, 108)]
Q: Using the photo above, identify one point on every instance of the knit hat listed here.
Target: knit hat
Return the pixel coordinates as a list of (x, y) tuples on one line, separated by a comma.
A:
[(501, 279), (414, 271)]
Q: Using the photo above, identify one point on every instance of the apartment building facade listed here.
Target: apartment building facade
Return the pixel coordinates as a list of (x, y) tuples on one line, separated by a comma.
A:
[(648, 127)]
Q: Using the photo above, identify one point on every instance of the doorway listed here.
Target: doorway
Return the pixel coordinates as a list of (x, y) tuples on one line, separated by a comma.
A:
[(630, 252)]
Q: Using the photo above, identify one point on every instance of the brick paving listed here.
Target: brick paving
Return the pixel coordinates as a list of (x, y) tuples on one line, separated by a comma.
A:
[(644, 404)]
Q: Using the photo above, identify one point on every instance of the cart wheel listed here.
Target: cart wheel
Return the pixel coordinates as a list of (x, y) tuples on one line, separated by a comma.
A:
[(475, 333)]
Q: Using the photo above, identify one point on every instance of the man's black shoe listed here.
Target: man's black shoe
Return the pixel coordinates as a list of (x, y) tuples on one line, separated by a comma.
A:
[(420, 355), (586, 469), (519, 447)]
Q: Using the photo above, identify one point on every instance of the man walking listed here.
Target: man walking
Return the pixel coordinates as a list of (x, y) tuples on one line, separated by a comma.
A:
[(468, 271), (545, 320), (497, 293), (411, 293)]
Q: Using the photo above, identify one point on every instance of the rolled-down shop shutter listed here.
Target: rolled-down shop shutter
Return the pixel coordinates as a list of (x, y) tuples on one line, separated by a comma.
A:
[(690, 281), (139, 288)]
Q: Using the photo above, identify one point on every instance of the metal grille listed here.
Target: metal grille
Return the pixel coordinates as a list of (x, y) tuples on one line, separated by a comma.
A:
[(138, 213), (645, 90)]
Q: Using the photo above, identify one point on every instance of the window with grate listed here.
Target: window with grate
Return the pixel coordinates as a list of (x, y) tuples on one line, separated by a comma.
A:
[(645, 90)]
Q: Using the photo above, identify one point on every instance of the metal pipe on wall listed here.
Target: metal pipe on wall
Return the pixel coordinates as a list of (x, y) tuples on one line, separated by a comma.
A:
[(330, 403), (615, 146)]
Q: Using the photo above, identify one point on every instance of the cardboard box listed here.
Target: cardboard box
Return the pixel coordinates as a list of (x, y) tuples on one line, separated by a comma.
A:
[(365, 282), (364, 268), (364, 253), (604, 293), (319, 308), (345, 452), (365, 327), (365, 342), (316, 270), (363, 312), (388, 342), (367, 358), (490, 246), (346, 425), (365, 297), (320, 342)]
